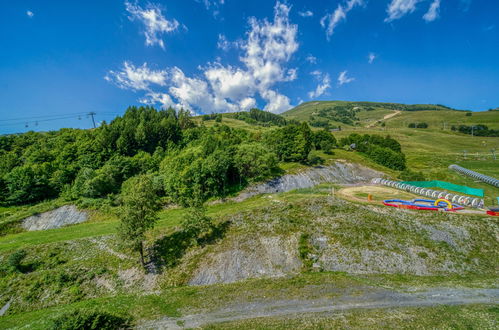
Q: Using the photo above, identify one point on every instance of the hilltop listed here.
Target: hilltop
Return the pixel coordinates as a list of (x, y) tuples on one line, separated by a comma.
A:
[(395, 115)]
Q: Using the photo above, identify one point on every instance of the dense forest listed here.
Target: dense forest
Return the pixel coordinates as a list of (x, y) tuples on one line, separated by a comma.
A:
[(188, 163)]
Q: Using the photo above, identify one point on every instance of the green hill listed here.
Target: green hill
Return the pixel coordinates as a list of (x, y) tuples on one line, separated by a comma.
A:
[(363, 114)]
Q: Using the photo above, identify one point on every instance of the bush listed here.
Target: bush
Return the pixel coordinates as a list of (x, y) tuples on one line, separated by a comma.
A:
[(80, 319), (469, 114), (15, 260), (387, 157), (314, 158)]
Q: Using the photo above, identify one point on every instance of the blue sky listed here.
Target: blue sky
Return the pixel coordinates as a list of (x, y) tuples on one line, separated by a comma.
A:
[(62, 59)]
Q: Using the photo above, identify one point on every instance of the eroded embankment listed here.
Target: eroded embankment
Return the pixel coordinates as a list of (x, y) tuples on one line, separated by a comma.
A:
[(62, 216), (339, 173), (330, 234)]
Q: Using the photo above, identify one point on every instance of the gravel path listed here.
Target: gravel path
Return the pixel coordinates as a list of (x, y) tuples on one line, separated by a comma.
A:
[(376, 299)]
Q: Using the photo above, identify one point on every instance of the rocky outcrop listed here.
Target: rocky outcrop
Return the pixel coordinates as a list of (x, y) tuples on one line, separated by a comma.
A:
[(339, 172), (62, 216), (273, 256)]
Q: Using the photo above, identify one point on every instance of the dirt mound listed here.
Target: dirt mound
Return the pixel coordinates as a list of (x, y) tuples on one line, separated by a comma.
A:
[(339, 172), (62, 216)]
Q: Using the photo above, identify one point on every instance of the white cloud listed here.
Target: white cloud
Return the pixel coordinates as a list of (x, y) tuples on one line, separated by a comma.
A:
[(371, 57), (266, 51), (275, 102), (30, 13), (399, 8), (432, 13), (306, 13), (223, 43), (213, 6), (324, 84), (163, 99), (344, 79), (136, 78), (154, 21), (311, 59), (330, 21)]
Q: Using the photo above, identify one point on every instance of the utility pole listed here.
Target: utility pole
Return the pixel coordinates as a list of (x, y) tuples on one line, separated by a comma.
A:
[(92, 114)]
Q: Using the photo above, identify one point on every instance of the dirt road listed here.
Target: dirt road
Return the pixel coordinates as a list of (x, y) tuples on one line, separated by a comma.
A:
[(388, 116), (376, 299)]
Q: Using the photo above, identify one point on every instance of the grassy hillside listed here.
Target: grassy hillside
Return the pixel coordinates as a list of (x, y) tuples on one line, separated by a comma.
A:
[(369, 113), (84, 266), (301, 248)]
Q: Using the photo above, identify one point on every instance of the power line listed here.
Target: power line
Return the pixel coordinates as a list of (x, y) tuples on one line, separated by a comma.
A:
[(45, 116)]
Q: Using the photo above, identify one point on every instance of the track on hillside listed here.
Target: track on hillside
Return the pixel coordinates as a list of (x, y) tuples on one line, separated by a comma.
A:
[(352, 301)]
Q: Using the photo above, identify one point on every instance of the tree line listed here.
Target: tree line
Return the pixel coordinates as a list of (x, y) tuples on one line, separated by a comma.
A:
[(185, 161)]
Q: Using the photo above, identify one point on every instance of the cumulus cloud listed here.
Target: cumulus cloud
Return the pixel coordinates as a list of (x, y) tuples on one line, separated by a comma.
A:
[(323, 85), (432, 13), (399, 8), (267, 49), (330, 21), (30, 13), (136, 78), (306, 13), (344, 79), (155, 24), (371, 57)]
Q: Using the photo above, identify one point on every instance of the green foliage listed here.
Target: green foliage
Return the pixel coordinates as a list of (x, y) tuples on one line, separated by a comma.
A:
[(324, 140), (89, 163), (196, 223), (386, 157), (83, 319), (291, 143), (346, 114), (385, 151), (254, 161), (476, 130), (304, 250), (15, 260), (418, 125), (263, 118), (314, 158), (138, 211)]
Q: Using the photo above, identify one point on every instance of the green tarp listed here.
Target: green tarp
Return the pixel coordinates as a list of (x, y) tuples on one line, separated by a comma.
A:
[(447, 186)]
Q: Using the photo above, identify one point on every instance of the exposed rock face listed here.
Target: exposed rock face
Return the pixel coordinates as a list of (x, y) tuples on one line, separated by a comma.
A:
[(62, 216), (339, 172), (257, 257)]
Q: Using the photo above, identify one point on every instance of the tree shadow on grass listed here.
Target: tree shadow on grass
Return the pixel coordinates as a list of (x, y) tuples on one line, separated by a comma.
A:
[(169, 250)]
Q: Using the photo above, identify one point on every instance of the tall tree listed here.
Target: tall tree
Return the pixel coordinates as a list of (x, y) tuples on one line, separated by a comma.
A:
[(138, 212)]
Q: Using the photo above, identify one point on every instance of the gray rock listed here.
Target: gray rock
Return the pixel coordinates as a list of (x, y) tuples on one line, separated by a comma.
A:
[(250, 258), (339, 172), (62, 216)]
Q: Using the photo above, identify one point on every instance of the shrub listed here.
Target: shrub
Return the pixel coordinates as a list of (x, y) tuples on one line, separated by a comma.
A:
[(80, 319), (15, 260), (314, 158)]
